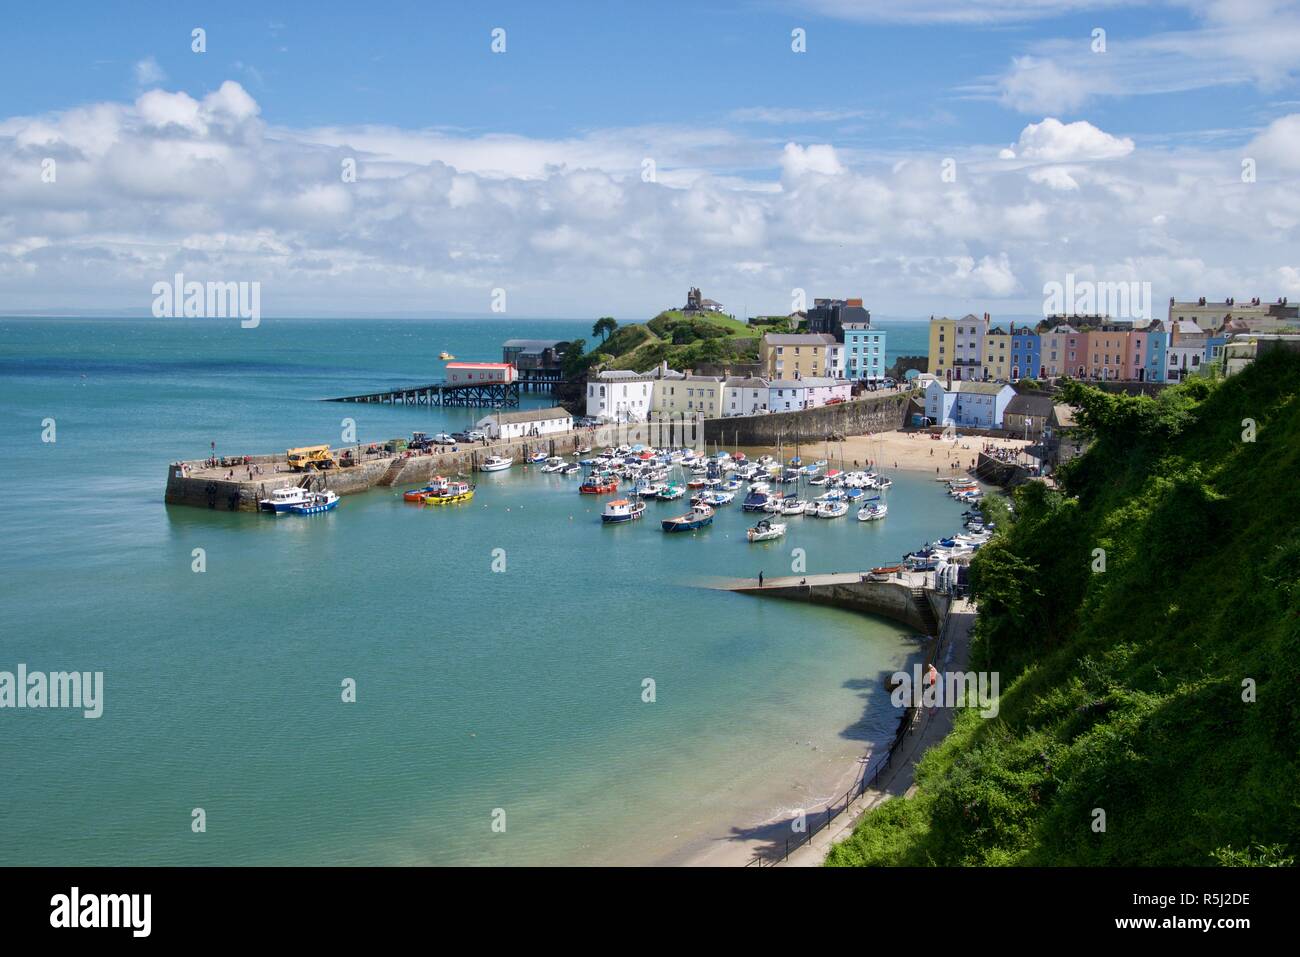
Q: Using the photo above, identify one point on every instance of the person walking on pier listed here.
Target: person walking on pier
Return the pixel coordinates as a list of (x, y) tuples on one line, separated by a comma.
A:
[(760, 579)]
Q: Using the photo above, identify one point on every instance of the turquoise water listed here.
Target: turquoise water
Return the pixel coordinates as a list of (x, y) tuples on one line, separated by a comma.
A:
[(476, 690)]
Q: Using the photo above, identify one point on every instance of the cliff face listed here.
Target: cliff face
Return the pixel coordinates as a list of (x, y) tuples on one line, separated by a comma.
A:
[(1145, 623)]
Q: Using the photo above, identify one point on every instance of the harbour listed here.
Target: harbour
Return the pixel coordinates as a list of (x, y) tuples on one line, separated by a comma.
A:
[(464, 692)]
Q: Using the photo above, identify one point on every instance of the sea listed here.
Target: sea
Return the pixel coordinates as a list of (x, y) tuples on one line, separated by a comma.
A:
[(530, 686)]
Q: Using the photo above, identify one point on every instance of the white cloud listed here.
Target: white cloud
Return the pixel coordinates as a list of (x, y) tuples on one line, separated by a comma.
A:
[(1278, 145), (438, 218), (1056, 142), (820, 158), (1232, 42), (148, 72)]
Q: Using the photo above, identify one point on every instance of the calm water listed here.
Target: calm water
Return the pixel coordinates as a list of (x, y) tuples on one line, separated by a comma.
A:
[(477, 690)]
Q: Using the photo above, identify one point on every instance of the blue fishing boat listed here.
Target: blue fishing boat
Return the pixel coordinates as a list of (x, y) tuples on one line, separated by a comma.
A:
[(698, 517), (315, 503)]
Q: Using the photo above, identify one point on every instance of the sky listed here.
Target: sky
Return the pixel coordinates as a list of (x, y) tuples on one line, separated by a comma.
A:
[(930, 157)]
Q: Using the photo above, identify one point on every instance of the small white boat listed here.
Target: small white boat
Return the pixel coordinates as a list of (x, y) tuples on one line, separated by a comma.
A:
[(572, 468), (495, 463), (670, 492), (622, 510), (555, 464), (832, 509), (872, 511), (794, 506), (765, 531)]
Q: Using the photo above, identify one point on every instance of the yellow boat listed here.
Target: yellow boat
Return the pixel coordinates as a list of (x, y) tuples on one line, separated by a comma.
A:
[(456, 493)]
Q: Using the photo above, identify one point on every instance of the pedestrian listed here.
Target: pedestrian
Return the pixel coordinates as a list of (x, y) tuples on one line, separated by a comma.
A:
[(760, 579)]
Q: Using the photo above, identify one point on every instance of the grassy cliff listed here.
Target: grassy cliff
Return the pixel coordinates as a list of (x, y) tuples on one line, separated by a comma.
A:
[(1123, 688), (683, 341)]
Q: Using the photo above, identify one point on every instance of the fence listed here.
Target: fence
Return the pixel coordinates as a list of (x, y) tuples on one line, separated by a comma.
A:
[(870, 778)]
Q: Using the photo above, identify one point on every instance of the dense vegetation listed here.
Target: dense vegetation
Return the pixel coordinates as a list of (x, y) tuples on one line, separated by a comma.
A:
[(1123, 689), (683, 341)]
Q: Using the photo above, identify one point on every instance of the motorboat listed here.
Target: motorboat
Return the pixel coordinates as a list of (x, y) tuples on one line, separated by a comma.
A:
[(315, 503), (555, 463), (495, 463), (832, 509), (670, 492), (765, 531), (537, 458), (456, 493), (283, 499), (622, 510), (698, 517), (873, 511), (437, 485), (597, 484)]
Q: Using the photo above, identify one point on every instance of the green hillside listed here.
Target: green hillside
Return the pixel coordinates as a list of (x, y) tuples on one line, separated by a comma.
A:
[(1123, 689), (683, 341)]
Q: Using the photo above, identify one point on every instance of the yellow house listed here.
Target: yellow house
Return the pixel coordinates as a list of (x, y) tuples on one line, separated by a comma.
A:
[(795, 356), (943, 344), (689, 395), (996, 363)]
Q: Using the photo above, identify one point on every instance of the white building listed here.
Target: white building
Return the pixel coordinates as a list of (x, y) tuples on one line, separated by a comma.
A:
[(825, 390), (978, 405), (835, 358), (526, 422), (744, 396), (617, 396), (787, 395)]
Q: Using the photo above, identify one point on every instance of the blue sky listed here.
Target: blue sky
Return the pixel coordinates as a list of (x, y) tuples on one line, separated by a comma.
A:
[(524, 170)]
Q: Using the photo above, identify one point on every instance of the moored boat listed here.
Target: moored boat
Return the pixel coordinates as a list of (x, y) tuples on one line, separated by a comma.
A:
[(765, 530), (495, 463), (436, 486), (597, 484), (698, 517), (794, 506), (455, 493), (315, 503), (282, 499), (622, 510), (832, 509), (670, 492), (872, 511)]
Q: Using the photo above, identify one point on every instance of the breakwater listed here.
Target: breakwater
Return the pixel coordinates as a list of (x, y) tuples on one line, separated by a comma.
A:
[(875, 413), (908, 600), (231, 488), (202, 485)]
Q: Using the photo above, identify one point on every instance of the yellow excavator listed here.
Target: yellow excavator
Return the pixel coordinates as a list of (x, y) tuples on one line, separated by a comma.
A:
[(311, 457)]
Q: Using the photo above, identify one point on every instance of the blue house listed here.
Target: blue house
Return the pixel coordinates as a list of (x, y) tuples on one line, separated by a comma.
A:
[(1026, 353), (1157, 347), (864, 352)]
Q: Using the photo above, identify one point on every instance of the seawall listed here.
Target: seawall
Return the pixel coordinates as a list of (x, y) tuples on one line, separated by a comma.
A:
[(907, 601), (199, 485), (874, 413)]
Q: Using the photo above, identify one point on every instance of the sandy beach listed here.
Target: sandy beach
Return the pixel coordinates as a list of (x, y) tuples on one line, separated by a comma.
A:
[(915, 452), (892, 451)]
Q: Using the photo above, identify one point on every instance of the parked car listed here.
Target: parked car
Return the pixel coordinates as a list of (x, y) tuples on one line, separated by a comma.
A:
[(475, 435), (442, 438)]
